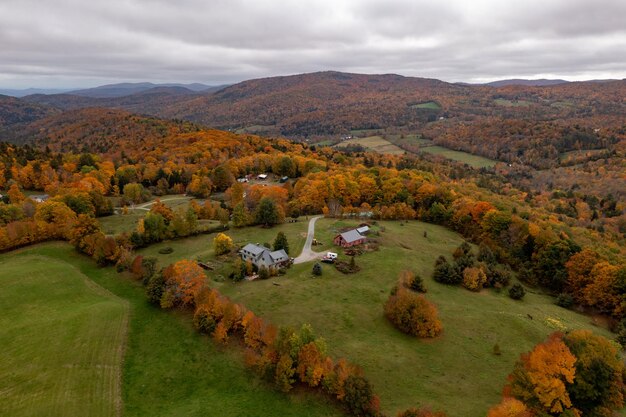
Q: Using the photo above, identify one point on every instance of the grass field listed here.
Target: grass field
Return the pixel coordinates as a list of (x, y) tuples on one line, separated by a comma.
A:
[(409, 139), (465, 157), (256, 129), (456, 372), (62, 339), (430, 105), (373, 143), (201, 247), (54, 358)]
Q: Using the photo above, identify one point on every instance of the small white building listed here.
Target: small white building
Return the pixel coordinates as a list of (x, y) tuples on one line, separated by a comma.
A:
[(40, 198)]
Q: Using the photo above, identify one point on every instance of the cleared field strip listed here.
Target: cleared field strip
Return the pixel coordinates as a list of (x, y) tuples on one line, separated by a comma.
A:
[(373, 143), (63, 341), (468, 158)]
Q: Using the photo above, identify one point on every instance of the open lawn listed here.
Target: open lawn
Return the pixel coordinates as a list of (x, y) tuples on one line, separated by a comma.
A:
[(409, 139), (430, 105), (201, 247), (373, 143), (60, 338), (256, 129), (456, 372), (465, 157), (119, 223)]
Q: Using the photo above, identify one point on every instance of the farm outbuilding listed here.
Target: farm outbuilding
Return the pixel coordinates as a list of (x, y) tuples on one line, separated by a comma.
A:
[(349, 239)]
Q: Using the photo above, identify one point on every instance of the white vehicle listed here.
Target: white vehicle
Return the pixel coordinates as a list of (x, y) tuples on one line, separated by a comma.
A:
[(330, 257)]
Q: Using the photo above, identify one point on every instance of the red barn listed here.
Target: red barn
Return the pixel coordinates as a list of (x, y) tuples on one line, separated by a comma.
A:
[(349, 238)]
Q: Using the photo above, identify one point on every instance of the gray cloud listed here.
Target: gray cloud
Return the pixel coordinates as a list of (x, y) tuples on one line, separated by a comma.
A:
[(62, 43)]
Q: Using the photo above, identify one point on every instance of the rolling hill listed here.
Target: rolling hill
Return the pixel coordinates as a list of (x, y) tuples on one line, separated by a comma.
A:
[(14, 111)]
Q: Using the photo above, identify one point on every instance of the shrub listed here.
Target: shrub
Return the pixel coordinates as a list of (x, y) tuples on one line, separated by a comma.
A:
[(347, 267), (412, 314), (203, 321), (564, 300), (445, 272), (498, 276), (422, 412), (155, 288), (517, 292), (417, 284), (359, 397), (317, 269), (264, 273), (412, 281), (474, 279)]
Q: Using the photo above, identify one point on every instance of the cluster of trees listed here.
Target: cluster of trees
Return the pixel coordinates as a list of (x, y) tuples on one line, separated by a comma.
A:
[(593, 282), (577, 374), (161, 223), (471, 271), (284, 356), (410, 311)]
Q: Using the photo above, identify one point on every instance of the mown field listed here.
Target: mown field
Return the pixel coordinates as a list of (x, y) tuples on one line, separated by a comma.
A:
[(373, 143), (429, 105), (465, 157), (456, 372), (61, 344), (62, 339)]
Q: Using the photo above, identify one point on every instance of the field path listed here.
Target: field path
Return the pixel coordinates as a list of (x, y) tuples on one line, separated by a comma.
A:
[(146, 206), (307, 253)]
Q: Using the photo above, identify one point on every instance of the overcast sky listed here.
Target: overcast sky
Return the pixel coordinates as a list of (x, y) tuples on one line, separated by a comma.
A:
[(79, 43)]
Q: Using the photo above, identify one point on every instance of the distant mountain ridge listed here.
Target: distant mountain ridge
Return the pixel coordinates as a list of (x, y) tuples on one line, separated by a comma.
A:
[(543, 82), (335, 103), (126, 89)]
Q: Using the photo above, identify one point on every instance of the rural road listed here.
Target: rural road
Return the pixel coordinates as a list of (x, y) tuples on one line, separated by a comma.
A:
[(307, 254)]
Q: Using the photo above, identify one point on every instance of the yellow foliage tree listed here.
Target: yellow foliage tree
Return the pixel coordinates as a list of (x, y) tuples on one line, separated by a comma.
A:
[(222, 244), (540, 377)]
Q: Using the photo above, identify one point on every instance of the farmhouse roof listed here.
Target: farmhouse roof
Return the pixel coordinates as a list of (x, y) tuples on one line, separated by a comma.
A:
[(254, 249), (279, 255), (351, 236)]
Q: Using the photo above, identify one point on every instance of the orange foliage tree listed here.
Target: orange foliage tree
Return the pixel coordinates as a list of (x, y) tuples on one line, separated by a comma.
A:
[(541, 377), (509, 407), (183, 280), (413, 314)]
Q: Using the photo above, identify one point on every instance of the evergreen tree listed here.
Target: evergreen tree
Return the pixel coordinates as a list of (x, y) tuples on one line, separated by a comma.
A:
[(281, 242)]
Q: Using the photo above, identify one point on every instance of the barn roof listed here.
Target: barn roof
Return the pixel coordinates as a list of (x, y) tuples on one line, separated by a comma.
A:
[(351, 236)]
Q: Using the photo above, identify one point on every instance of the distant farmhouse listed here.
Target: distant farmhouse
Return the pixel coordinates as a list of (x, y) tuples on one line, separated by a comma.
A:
[(352, 237), (39, 198), (260, 256)]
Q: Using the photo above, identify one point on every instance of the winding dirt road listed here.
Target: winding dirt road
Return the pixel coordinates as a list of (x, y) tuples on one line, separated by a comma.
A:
[(307, 253)]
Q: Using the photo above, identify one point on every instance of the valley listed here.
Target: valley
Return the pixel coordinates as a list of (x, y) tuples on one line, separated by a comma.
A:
[(512, 187)]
